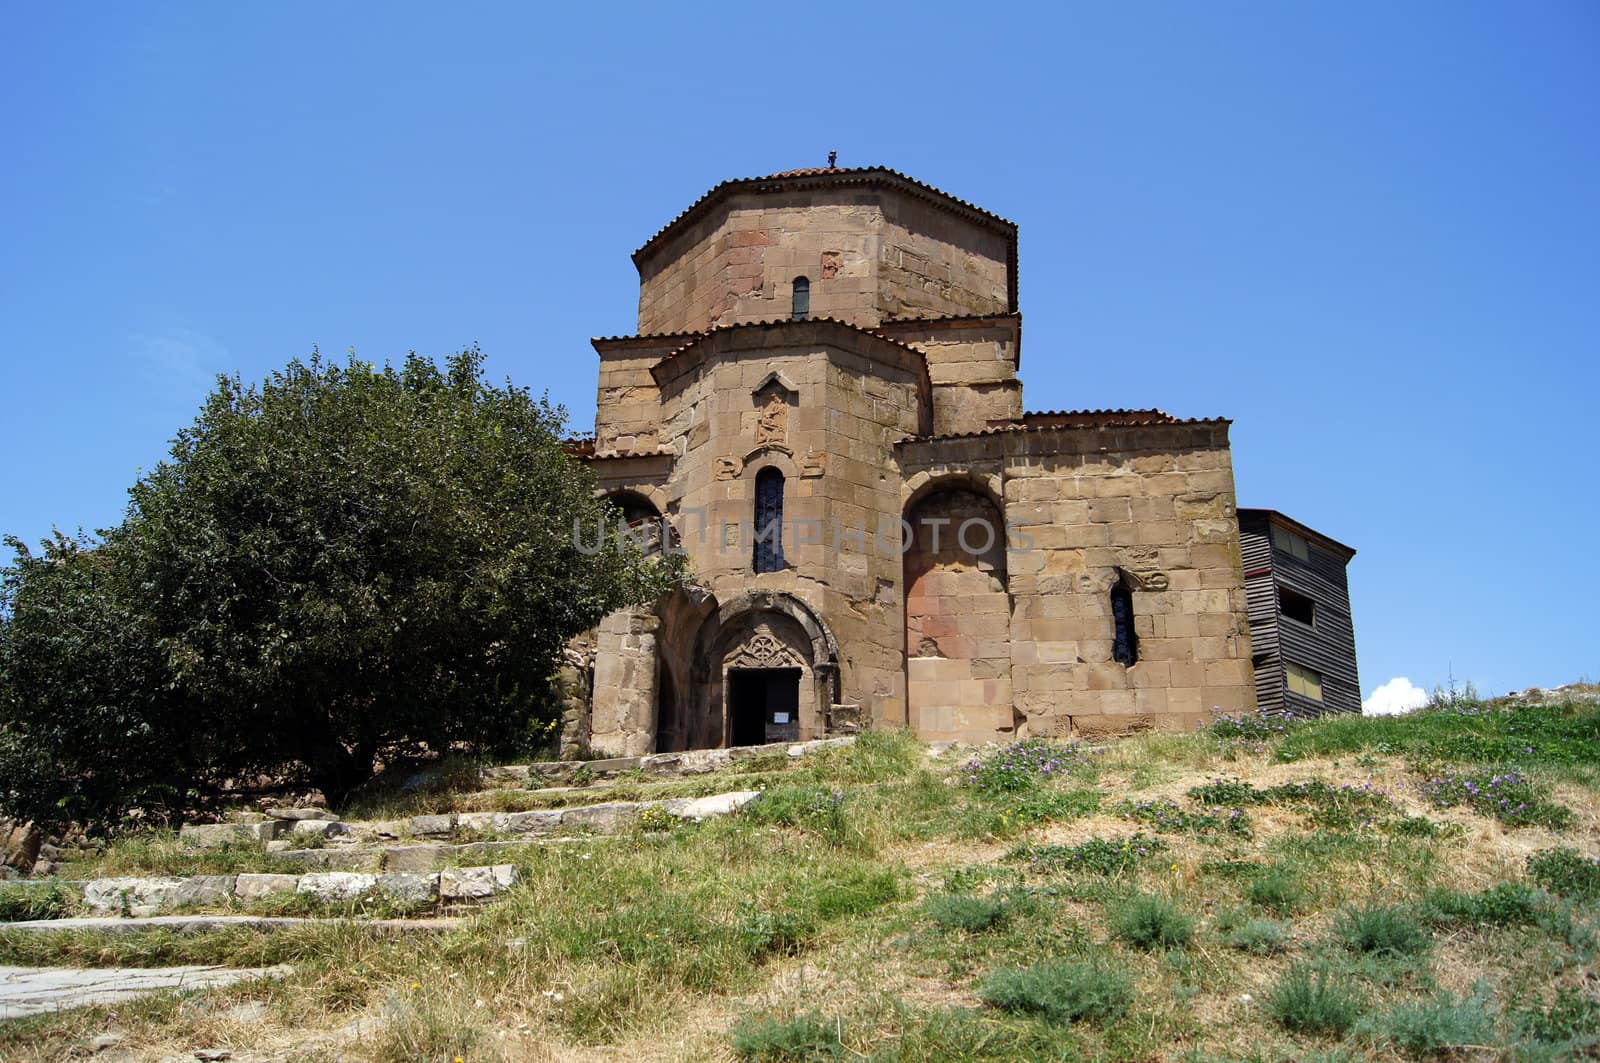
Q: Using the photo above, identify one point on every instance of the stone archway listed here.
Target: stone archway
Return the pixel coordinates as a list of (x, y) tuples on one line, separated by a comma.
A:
[(957, 615), (763, 655)]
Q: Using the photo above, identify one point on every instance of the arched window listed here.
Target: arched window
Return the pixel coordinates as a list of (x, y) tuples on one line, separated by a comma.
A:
[(802, 299), (769, 521), (1124, 643)]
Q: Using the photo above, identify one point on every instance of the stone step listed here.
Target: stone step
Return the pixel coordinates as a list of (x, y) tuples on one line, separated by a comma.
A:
[(360, 846), (145, 897), (688, 762), (26, 991), (205, 924), (604, 817)]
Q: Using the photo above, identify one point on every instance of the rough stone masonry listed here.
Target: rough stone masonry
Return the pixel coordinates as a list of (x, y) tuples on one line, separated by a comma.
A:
[(823, 409)]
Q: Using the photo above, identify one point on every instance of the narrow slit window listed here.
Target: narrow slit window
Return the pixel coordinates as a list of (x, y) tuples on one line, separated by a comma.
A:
[(1297, 606), (1124, 643), (801, 307), (769, 521)]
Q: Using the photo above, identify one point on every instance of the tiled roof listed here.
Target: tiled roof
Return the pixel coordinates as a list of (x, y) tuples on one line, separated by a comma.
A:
[(583, 448), (1045, 422), (1094, 418), (643, 339), (946, 319), (698, 338), (825, 175)]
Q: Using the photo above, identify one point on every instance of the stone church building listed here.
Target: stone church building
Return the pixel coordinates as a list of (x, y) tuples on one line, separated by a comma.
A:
[(823, 405)]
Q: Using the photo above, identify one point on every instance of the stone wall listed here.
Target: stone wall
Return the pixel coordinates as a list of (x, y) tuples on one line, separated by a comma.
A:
[(869, 253), (1152, 506), (972, 364), (958, 615)]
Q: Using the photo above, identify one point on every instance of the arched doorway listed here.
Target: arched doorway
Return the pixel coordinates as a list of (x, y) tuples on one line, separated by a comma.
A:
[(764, 670)]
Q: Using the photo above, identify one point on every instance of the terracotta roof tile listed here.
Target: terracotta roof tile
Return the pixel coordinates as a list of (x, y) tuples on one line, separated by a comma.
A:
[(774, 322), (1075, 419)]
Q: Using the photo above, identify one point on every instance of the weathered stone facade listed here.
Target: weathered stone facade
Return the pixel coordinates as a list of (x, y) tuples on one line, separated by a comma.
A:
[(832, 355)]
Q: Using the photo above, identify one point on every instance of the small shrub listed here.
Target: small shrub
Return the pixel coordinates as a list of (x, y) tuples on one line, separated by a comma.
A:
[(875, 756), (1570, 1024), (654, 818), (20, 902), (804, 1037), (1387, 931), (1150, 922), (427, 1026), (773, 933), (1260, 937), (1314, 1000), (1097, 856), (1503, 904), (1566, 872), (1507, 794), (1060, 991), (1233, 793), (1433, 1025), (1230, 869), (1344, 807), (855, 891), (808, 807), (1168, 817), (1250, 727), (1021, 766), (1006, 815), (962, 911), (1276, 889), (1415, 827)]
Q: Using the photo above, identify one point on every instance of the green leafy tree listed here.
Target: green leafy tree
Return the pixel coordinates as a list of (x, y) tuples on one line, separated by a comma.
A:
[(344, 566), (88, 724)]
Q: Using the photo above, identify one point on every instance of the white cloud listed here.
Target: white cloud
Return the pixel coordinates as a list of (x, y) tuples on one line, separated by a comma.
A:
[(1395, 697)]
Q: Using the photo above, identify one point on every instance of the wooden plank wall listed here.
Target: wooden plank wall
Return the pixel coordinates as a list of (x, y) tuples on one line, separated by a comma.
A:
[(1328, 647)]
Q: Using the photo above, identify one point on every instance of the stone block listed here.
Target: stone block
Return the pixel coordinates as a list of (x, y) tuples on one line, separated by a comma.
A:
[(255, 887), (603, 819), (318, 828), (147, 896), (333, 886), (297, 814), (415, 857), (534, 823), (698, 808), (336, 859), (217, 835), (433, 826), (475, 883), (484, 822), (409, 887)]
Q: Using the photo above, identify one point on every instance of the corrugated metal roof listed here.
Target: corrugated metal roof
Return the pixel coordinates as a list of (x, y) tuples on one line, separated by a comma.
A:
[(826, 175)]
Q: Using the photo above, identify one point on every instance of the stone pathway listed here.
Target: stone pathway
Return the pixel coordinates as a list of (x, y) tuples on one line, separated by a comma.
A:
[(28, 991), (202, 924)]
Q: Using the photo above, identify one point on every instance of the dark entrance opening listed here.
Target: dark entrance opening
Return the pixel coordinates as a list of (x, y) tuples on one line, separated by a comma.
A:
[(763, 706)]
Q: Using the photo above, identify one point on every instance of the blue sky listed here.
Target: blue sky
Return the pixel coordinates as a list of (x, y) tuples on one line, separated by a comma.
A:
[(1367, 232)]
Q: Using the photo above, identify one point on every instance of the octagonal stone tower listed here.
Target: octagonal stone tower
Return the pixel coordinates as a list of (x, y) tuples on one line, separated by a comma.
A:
[(870, 244)]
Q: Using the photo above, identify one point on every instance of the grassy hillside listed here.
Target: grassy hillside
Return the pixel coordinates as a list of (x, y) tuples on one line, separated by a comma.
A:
[(1346, 889)]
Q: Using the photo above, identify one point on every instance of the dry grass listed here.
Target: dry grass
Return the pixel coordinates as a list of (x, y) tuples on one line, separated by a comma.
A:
[(655, 948)]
